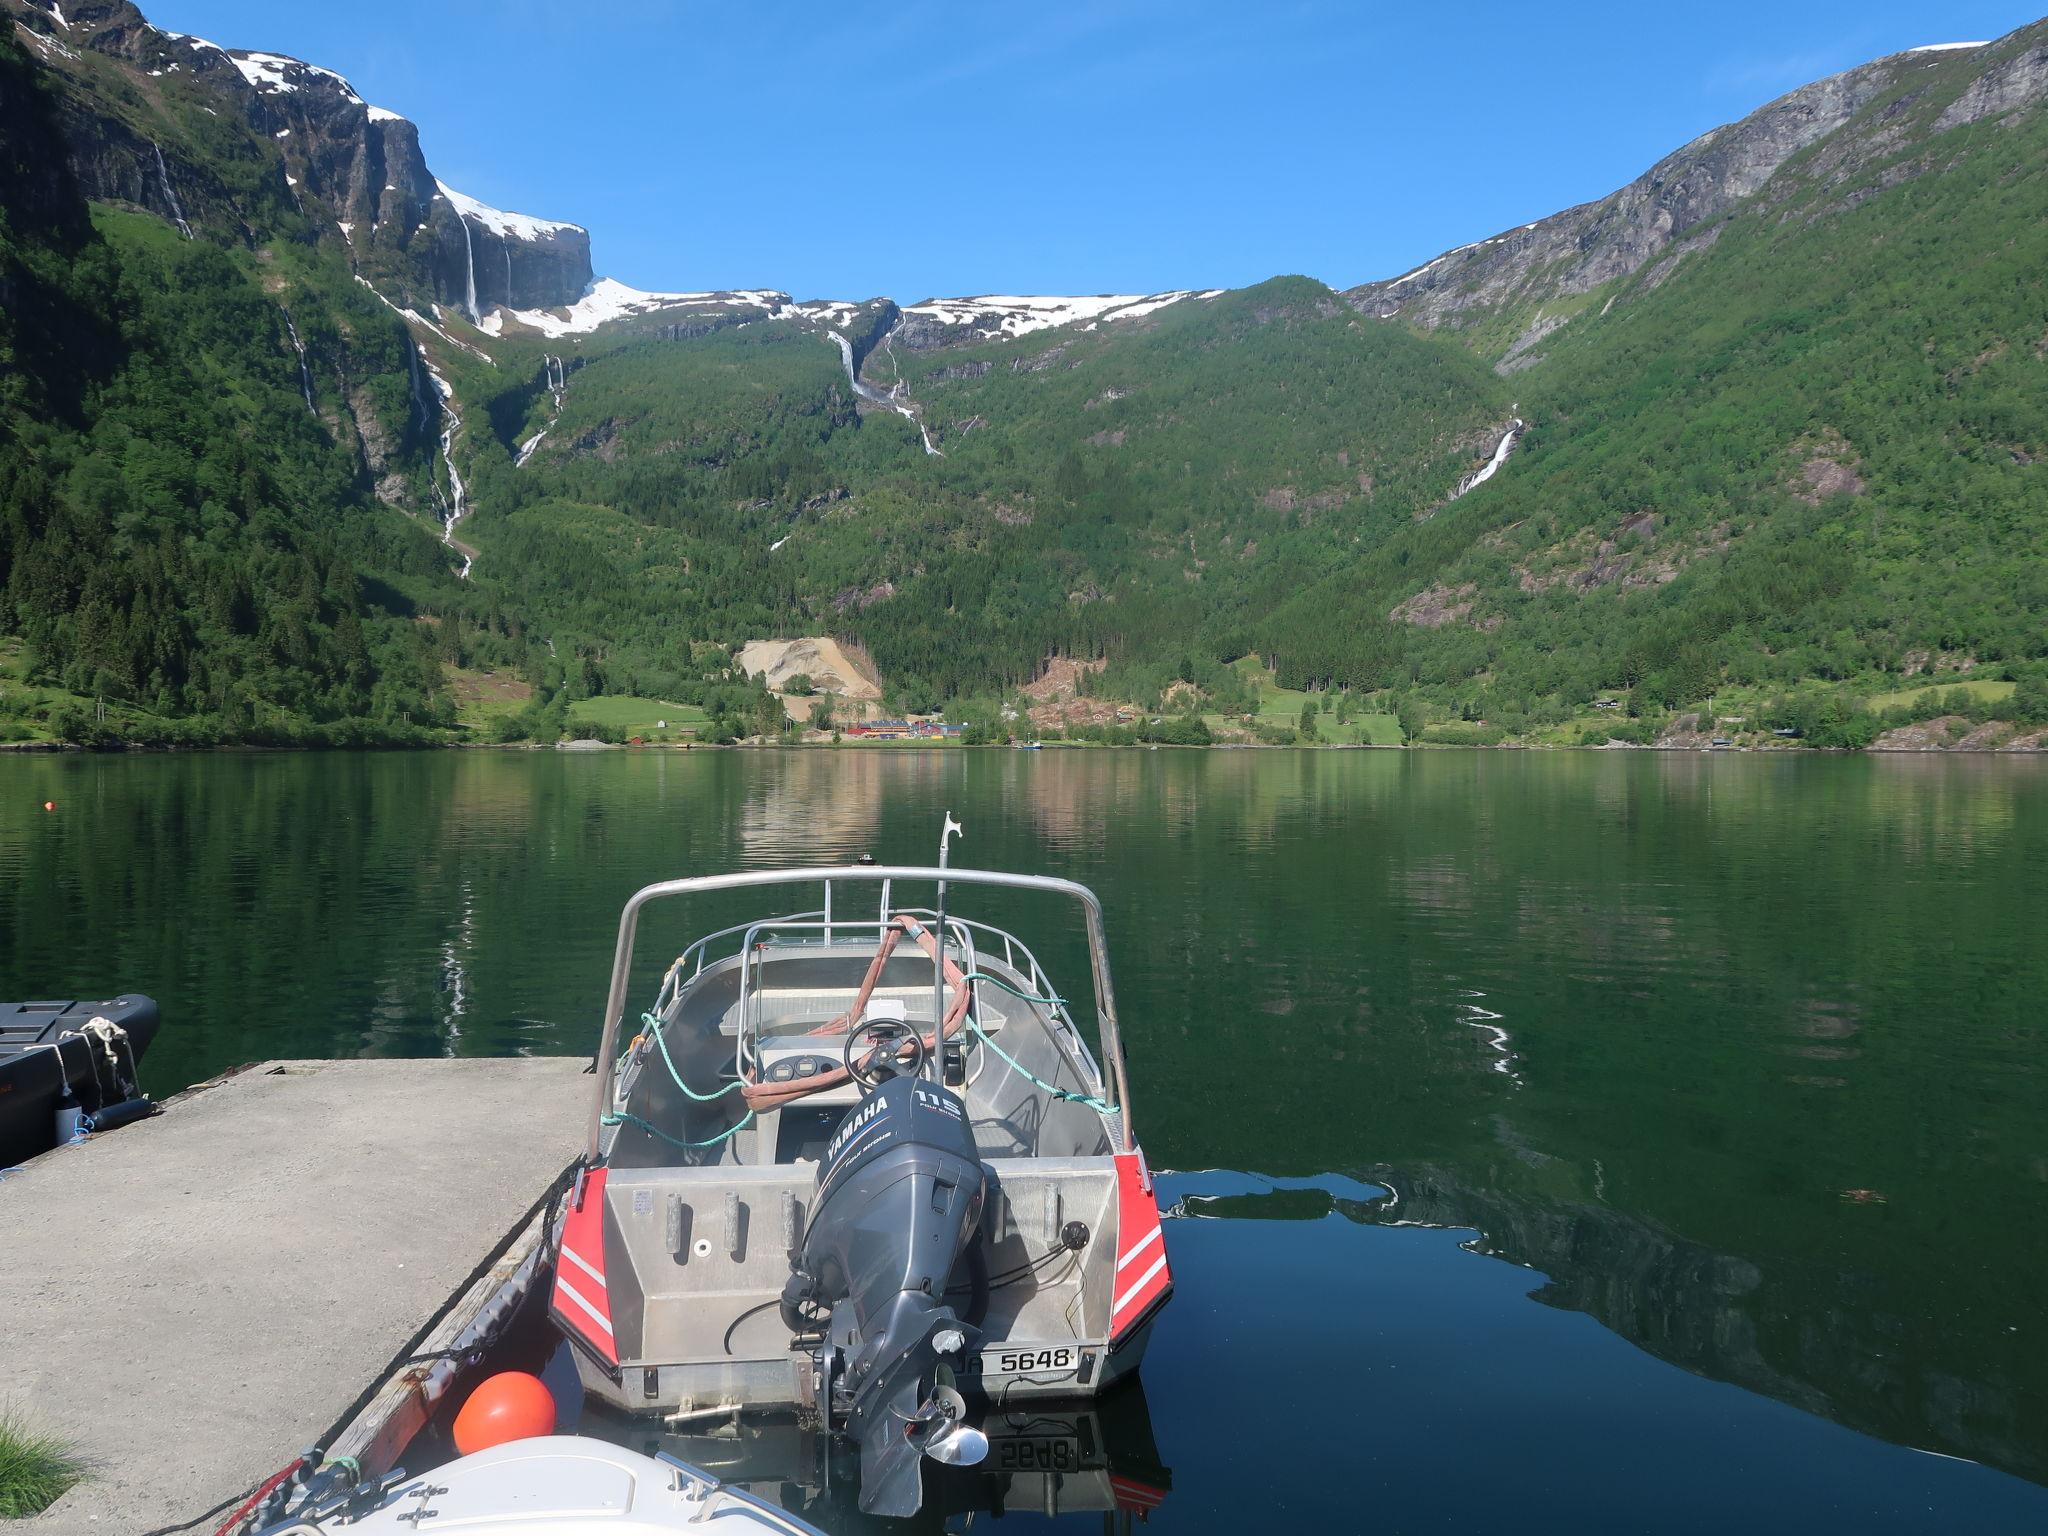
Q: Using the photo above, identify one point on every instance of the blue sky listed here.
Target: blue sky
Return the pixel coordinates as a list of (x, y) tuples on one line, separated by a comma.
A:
[(846, 149)]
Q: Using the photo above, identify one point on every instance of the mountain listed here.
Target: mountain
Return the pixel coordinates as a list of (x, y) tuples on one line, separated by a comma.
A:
[(344, 164), (1511, 291), (1764, 425)]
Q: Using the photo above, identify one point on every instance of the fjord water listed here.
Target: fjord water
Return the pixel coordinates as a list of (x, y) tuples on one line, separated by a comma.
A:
[(1589, 1141)]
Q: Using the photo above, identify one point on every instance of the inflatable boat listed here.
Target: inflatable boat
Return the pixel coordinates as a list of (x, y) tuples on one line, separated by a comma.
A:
[(76, 1059)]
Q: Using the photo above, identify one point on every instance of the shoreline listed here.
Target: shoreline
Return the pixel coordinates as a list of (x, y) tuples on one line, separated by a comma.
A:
[(585, 745)]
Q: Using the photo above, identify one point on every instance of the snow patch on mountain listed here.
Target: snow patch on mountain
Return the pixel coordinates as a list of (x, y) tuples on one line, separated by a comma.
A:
[(193, 42), (419, 319), (607, 299), (514, 226), (1001, 316), (49, 45), (1946, 47), (990, 315), (1149, 304), (275, 74), (1015, 314), (827, 312), (385, 115)]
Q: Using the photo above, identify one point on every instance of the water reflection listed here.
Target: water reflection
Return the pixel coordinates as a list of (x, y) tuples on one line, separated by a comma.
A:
[(1093, 1464), (1364, 1356), (1708, 1313), (1745, 1053)]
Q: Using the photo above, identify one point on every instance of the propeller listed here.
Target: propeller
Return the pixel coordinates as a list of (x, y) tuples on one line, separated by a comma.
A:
[(943, 1433)]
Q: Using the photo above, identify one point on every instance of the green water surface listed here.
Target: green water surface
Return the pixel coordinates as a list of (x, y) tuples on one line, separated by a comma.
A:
[(1740, 1057)]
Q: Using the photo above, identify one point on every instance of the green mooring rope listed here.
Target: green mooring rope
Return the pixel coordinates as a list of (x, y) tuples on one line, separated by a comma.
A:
[(623, 1118), (1018, 1067), (661, 1039)]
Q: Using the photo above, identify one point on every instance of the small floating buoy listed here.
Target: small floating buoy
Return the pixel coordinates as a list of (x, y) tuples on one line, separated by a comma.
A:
[(508, 1406), (49, 805)]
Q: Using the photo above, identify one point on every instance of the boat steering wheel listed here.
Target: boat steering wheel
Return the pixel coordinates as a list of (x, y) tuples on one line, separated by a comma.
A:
[(885, 1042)]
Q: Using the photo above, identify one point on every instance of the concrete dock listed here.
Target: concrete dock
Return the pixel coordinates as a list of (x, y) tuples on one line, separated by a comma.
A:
[(193, 1300)]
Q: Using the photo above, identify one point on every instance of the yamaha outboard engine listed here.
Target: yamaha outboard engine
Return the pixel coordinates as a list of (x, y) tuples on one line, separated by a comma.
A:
[(900, 1192)]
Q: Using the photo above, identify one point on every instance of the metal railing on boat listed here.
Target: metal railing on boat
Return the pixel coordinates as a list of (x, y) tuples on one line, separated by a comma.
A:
[(751, 990), (864, 874)]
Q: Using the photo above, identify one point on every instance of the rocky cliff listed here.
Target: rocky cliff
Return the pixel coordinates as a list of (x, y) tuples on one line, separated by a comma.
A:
[(1517, 288), (355, 171)]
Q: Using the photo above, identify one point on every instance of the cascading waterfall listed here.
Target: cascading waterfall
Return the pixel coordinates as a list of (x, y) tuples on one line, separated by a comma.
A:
[(556, 376), (1492, 466), (469, 249), (875, 396), (508, 275), (298, 346), (163, 176), (458, 502)]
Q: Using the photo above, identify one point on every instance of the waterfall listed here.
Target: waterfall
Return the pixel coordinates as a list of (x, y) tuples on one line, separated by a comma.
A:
[(163, 176), (555, 379), (298, 346), (508, 274), (458, 496), (867, 392), (469, 249), (1492, 466)]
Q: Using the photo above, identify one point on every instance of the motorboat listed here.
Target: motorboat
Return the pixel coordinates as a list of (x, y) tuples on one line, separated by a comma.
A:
[(551, 1485), (862, 1162)]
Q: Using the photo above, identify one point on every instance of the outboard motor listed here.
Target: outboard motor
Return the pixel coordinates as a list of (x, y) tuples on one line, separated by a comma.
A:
[(899, 1198)]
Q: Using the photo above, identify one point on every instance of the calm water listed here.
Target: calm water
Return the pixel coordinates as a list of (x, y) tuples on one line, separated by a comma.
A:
[(1571, 1141)]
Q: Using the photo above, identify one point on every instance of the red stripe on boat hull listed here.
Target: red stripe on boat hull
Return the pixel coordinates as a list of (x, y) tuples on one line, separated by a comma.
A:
[(1143, 1279), (580, 1301)]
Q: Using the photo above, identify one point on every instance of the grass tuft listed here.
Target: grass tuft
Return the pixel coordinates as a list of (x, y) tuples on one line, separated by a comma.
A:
[(35, 1470)]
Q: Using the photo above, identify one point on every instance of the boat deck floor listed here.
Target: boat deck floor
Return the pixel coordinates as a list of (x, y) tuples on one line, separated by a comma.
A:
[(193, 1300)]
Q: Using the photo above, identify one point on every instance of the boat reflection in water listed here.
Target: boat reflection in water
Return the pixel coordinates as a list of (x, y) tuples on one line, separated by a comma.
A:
[(1094, 1458)]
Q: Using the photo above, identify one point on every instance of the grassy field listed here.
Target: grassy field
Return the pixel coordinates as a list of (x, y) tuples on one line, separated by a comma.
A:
[(484, 697), (1280, 707), (1986, 691), (17, 698), (641, 717), (22, 701)]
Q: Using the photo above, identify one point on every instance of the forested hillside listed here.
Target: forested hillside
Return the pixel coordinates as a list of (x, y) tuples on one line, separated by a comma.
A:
[(1765, 426), (1810, 449), (1142, 494), (183, 543)]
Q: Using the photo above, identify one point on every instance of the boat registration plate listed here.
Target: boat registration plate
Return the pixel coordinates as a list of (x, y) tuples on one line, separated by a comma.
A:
[(1054, 1359)]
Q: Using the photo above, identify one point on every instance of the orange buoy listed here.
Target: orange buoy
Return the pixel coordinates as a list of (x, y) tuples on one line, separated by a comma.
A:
[(49, 805), (508, 1406)]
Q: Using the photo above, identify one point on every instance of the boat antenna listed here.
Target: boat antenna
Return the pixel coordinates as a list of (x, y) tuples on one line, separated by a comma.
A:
[(937, 1062)]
